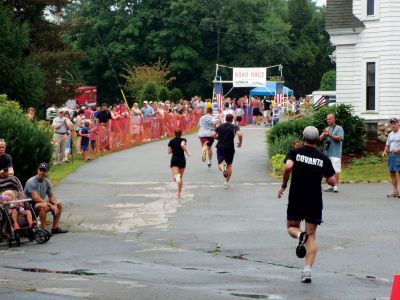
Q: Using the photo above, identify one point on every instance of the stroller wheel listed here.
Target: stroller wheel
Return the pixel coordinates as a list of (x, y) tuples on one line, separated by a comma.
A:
[(41, 236), (17, 239), (48, 234), (31, 235)]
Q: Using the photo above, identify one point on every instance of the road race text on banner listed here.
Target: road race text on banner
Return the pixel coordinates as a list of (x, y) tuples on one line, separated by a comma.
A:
[(249, 77)]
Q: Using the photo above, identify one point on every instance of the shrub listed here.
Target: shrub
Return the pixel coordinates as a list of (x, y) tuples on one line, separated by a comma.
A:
[(354, 127), (149, 92), (164, 94), (138, 76), (27, 143), (292, 127), (281, 145), (276, 164), (176, 94), (328, 81)]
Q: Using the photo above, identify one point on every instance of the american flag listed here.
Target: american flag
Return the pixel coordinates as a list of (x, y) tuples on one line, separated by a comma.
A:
[(279, 93), (219, 95), (321, 102)]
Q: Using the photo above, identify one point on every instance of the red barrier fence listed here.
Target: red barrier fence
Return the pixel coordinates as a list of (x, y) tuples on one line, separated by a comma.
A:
[(122, 133)]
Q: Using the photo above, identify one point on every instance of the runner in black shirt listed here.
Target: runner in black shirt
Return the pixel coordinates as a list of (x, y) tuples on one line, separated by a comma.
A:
[(225, 147), (177, 147), (307, 166)]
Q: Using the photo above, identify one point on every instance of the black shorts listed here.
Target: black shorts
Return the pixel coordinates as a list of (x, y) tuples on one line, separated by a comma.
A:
[(314, 217), (257, 112), (225, 155), (93, 144), (181, 164)]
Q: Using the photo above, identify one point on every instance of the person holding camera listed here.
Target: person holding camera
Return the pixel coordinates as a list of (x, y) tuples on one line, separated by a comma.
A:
[(61, 126), (6, 166), (333, 136)]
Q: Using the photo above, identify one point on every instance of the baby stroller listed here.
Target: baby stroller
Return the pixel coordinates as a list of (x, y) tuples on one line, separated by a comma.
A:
[(6, 227)]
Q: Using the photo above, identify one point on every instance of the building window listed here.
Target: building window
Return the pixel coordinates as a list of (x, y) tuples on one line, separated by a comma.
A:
[(371, 73), (370, 7)]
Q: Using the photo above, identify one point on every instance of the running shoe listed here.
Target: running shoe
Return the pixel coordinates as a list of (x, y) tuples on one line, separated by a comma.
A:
[(178, 195), (204, 155), (224, 171), (329, 189), (301, 248), (209, 164), (306, 276), (335, 189), (394, 195), (226, 185)]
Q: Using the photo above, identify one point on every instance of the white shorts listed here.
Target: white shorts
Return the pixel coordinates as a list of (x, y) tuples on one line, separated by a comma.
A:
[(337, 163), (267, 113)]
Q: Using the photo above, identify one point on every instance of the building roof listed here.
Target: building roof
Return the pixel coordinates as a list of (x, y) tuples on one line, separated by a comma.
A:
[(339, 14)]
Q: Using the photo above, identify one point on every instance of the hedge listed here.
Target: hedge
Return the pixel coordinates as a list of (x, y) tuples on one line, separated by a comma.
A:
[(27, 143), (354, 130)]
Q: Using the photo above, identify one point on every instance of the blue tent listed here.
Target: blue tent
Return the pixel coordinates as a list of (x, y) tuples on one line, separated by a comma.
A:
[(269, 90)]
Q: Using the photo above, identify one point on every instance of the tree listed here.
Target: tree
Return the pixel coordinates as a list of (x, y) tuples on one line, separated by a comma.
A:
[(308, 59), (164, 94), (191, 36), (46, 45), (109, 38), (176, 95), (138, 76), (149, 92), (328, 81), (20, 74)]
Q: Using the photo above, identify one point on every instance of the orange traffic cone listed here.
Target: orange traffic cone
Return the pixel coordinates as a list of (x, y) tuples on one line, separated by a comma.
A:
[(395, 288)]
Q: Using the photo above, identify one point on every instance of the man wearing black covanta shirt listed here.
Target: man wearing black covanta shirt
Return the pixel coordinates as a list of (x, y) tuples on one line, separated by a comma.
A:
[(307, 166)]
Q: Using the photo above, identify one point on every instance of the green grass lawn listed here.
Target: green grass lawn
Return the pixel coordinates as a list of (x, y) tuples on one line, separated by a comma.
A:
[(365, 173), (58, 172), (364, 170)]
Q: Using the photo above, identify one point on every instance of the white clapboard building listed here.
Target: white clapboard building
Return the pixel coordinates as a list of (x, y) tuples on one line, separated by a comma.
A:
[(366, 35)]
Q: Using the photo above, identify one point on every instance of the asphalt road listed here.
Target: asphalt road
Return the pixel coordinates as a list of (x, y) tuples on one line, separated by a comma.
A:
[(130, 238)]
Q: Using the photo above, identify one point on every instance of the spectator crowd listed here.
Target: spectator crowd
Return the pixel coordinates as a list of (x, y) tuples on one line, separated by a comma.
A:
[(104, 128)]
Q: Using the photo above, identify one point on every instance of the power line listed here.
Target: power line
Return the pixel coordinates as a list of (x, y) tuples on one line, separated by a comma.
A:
[(109, 60)]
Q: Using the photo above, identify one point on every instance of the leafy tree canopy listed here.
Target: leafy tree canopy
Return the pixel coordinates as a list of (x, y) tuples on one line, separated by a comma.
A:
[(191, 36)]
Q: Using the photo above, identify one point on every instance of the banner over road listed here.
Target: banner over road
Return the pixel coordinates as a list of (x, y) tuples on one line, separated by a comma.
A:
[(249, 77)]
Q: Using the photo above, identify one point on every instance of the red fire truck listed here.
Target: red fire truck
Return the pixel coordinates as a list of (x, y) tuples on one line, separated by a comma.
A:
[(87, 97)]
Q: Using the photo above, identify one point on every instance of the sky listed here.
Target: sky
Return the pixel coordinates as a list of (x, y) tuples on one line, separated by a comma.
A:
[(321, 2)]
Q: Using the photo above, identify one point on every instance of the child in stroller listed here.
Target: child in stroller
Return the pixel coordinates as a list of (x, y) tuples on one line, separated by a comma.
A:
[(17, 218), (16, 210)]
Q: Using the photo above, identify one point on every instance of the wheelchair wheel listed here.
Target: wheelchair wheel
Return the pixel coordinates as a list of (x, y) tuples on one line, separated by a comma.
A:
[(40, 236)]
